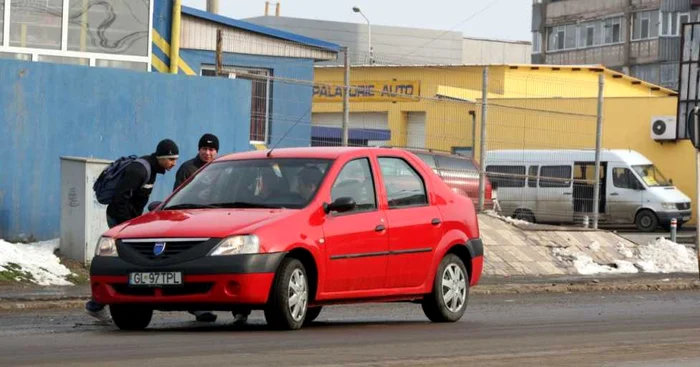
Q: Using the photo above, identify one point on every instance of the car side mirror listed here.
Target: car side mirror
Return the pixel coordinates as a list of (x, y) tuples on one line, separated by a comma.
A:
[(152, 206), (340, 205)]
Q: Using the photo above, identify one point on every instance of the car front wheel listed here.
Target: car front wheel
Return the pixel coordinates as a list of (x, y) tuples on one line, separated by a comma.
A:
[(130, 317), (287, 305), (448, 300)]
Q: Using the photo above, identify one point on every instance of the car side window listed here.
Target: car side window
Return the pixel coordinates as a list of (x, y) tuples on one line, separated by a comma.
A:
[(355, 181), (404, 186)]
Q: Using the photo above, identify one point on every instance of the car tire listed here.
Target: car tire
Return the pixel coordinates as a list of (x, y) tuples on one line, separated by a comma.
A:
[(435, 306), (646, 221), (283, 310), (312, 314), (130, 317)]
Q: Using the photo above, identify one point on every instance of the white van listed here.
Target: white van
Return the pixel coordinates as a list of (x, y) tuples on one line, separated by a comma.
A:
[(556, 186)]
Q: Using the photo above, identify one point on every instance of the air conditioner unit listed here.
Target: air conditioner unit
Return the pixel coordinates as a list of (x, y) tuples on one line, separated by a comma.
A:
[(663, 128)]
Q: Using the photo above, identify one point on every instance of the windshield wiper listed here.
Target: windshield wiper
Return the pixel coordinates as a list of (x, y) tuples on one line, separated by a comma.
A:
[(190, 206)]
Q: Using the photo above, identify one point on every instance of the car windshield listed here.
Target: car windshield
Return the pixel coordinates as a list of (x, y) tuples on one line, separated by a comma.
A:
[(256, 183), (651, 175)]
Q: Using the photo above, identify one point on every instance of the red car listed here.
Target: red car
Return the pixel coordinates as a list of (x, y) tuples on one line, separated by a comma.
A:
[(292, 230), (460, 172)]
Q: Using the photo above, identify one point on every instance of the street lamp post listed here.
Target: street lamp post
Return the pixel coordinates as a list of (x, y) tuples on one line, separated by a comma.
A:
[(369, 33)]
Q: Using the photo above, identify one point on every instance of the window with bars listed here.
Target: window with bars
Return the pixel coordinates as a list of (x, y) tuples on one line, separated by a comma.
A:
[(261, 101)]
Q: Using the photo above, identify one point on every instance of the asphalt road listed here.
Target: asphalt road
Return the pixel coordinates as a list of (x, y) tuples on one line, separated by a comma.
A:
[(616, 329)]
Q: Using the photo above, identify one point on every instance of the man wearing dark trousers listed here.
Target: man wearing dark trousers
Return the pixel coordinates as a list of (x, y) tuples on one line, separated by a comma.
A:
[(131, 196), (208, 148)]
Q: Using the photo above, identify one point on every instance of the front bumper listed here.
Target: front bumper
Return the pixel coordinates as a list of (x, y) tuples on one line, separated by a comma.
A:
[(681, 217), (216, 280)]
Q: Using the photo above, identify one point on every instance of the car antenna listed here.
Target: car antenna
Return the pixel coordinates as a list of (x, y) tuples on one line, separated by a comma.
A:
[(269, 152)]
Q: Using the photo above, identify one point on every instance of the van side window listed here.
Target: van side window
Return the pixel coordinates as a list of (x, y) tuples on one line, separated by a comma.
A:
[(624, 179), (506, 176), (532, 176), (555, 176)]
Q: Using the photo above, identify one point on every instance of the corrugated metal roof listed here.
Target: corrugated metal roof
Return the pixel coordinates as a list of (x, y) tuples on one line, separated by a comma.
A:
[(261, 29)]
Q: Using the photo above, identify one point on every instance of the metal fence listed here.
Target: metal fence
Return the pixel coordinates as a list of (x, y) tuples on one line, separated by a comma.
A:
[(520, 142)]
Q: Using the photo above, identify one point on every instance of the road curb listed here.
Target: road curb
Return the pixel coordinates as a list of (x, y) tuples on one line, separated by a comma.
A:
[(589, 286), (39, 303)]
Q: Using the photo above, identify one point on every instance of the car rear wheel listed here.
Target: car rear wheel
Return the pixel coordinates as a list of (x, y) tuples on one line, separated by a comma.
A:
[(448, 300), (287, 305), (130, 317)]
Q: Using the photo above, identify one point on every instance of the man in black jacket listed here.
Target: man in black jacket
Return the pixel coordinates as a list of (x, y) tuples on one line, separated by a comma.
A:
[(208, 149), (131, 196)]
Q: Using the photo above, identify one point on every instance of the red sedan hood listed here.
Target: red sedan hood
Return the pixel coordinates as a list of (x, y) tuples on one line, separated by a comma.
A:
[(205, 223)]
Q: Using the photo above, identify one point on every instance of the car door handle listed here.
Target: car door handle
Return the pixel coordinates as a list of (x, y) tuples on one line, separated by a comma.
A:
[(567, 193), (614, 194), (436, 221), (379, 228)]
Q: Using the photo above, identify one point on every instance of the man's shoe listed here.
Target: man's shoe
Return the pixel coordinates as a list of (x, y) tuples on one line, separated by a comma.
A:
[(102, 315), (240, 319)]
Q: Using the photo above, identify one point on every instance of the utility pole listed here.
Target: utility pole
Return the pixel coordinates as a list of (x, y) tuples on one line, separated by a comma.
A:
[(346, 97), (482, 145), (598, 143)]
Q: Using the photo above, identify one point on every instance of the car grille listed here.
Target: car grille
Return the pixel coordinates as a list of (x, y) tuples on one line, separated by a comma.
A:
[(174, 248), (683, 206)]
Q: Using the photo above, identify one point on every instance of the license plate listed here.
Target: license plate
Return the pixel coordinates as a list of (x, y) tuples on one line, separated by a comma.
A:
[(686, 218), (155, 278)]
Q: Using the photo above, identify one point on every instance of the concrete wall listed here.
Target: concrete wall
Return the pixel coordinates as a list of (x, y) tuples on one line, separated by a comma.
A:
[(50, 110), (481, 51), (390, 44)]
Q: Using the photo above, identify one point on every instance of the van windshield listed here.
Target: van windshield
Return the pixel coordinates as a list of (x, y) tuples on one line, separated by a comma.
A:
[(651, 175), (255, 183)]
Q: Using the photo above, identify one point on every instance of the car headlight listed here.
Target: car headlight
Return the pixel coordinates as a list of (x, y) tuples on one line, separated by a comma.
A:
[(669, 206), (106, 246), (237, 245)]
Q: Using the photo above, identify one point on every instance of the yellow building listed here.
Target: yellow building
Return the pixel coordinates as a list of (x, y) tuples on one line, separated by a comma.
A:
[(528, 107)]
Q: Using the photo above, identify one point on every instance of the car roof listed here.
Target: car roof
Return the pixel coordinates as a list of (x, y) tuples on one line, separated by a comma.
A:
[(302, 152)]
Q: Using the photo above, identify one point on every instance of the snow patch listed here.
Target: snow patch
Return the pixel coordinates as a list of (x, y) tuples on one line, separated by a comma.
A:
[(624, 250), (510, 220), (594, 246), (660, 256), (585, 265), (37, 259), (664, 256)]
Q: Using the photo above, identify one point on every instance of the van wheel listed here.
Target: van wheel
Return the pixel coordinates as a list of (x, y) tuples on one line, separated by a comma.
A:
[(130, 317), (646, 221), (448, 300), (287, 304), (525, 215)]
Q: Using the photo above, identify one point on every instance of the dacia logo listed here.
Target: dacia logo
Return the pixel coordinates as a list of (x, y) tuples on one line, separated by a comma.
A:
[(159, 248)]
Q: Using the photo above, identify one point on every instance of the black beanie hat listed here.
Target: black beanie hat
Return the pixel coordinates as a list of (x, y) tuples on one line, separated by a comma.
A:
[(209, 141), (167, 149)]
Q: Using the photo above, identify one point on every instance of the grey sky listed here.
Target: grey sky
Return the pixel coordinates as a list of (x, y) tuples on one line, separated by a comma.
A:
[(503, 19)]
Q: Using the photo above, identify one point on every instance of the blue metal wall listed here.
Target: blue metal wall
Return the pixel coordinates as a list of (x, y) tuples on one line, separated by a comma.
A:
[(50, 110), (291, 101)]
